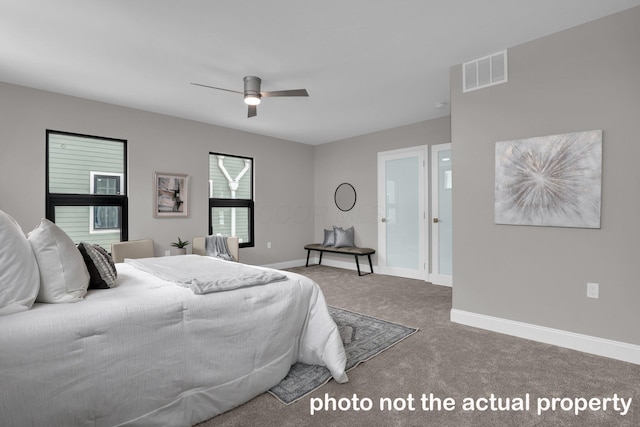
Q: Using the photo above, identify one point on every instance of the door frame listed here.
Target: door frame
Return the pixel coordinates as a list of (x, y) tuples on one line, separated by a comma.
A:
[(422, 272)]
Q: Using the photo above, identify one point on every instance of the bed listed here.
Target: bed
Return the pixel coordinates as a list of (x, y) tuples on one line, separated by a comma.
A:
[(150, 353)]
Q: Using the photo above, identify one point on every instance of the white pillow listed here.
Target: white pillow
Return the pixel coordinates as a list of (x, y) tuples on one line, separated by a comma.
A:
[(63, 274), (19, 278)]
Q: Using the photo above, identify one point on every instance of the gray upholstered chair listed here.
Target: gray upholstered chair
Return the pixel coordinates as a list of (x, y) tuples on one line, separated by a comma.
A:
[(132, 249), (232, 243)]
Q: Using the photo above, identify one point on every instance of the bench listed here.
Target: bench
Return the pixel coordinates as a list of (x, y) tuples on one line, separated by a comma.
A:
[(348, 250)]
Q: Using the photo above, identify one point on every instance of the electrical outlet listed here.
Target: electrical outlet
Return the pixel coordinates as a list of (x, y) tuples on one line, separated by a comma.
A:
[(593, 290), (268, 245)]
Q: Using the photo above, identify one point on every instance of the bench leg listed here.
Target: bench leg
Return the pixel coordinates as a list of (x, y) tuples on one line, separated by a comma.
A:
[(360, 273), (309, 253), (358, 265)]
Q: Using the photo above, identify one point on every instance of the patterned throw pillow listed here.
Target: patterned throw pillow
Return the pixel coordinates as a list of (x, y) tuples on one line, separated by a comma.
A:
[(100, 265)]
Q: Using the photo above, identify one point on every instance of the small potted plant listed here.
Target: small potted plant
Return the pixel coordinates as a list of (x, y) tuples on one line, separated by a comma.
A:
[(180, 246)]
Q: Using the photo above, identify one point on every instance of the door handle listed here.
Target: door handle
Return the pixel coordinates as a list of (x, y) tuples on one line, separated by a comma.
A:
[(436, 220), (384, 220)]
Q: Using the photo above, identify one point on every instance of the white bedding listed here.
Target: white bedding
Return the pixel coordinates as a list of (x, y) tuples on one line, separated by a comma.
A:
[(148, 352)]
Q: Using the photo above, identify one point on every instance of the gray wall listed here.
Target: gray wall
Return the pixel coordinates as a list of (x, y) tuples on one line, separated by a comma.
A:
[(581, 79), (354, 160), (157, 143)]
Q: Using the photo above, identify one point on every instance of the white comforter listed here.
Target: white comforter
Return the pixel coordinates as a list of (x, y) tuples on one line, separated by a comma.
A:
[(149, 352)]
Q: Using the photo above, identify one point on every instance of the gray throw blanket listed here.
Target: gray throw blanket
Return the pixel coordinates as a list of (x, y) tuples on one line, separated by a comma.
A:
[(216, 246), (204, 274)]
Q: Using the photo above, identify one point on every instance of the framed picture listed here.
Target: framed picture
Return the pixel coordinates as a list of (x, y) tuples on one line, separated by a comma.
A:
[(171, 195), (551, 180)]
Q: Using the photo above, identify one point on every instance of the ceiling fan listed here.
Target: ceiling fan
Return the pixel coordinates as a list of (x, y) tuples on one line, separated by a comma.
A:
[(252, 93)]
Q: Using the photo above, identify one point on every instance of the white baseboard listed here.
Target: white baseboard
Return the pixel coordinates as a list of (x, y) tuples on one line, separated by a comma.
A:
[(441, 280), (586, 343)]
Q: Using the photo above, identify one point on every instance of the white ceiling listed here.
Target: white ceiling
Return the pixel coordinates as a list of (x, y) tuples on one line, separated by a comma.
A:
[(367, 64)]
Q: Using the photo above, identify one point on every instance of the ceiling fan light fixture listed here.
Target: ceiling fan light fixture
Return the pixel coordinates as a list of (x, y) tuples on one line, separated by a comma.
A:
[(253, 94), (251, 99)]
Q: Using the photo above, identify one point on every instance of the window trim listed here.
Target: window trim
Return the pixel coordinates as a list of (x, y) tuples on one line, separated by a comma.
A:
[(234, 203), (52, 200)]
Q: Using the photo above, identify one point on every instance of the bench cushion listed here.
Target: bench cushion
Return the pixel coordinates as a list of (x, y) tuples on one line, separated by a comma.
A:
[(354, 250)]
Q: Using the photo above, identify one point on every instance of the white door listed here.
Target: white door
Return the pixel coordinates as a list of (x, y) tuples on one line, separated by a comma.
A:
[(441, 209), (401, 216)]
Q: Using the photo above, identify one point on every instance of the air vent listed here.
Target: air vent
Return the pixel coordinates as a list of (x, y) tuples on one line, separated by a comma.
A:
[(484, 72)]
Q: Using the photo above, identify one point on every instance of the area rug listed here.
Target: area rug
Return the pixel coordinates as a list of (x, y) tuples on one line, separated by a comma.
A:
[(363, 336)]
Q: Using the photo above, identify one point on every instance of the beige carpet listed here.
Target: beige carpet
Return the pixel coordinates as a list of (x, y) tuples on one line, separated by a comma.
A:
[(447, 360)]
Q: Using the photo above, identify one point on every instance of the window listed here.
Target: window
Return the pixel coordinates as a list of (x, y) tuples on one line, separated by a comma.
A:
[(105, 218), (86, 187), (231, 197)]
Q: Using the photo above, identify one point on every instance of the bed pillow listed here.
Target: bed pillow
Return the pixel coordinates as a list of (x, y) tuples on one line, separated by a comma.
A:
[(329, 238), (63, 275), (19, 277), (102, 270), (344, 237)]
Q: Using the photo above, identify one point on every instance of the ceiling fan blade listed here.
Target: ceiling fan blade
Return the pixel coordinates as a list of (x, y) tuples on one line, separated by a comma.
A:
[(293, 92), (218, 88), (253, 111)]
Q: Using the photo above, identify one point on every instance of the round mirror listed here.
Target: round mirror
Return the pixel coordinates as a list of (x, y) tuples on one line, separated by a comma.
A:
[(345, 197)]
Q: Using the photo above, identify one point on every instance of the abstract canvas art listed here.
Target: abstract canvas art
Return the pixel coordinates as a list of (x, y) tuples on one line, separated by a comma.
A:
[(550, 180), (171, 195)]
